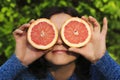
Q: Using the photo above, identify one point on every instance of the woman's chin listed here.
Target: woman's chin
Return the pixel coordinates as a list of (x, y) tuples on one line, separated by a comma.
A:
[(60, 58), (61, 62)]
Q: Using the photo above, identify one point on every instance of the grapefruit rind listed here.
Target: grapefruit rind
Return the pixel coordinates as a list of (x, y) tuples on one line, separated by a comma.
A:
[(42, 47), (73, 44)]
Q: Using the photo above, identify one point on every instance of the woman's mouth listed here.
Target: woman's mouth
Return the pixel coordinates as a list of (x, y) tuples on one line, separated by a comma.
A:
[(59, 51)]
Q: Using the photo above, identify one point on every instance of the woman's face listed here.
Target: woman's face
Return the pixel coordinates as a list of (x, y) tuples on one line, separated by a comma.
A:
[(59, 54)]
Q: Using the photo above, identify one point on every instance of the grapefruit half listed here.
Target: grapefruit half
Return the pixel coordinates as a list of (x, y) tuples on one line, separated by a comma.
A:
[(42, 34), (75, 32)]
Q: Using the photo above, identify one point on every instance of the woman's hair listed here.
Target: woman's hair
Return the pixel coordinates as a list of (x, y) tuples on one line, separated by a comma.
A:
[(47, 13), (40, 66)]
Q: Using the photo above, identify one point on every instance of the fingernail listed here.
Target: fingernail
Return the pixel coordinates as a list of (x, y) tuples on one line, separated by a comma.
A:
[(83, 17), (20, 30), (105, 18), (27, 24), (70, 49), (90, 17), (32, 20)]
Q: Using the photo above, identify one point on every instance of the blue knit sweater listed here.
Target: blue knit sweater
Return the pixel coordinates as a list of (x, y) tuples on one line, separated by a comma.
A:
[(105, 69)]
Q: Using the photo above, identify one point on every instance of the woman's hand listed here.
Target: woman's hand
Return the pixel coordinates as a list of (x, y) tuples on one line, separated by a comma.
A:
[(96, 47), (24, 51)]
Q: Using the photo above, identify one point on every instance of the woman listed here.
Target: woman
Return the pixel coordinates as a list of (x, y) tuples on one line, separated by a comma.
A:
[(90, 62)]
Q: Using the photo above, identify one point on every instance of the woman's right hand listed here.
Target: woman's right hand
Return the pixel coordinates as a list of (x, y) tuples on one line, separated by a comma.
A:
[(23, 50)]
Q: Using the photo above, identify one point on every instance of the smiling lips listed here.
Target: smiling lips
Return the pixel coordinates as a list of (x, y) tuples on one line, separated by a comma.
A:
[(59, 51)]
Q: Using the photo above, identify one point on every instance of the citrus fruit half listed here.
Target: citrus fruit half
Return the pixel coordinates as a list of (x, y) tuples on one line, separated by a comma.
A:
[(42, 34), (75, 32)]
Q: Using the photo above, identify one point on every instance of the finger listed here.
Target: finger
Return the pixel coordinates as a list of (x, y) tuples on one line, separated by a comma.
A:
[(46, 51), (38, 50), (21, 29), (24, 26), (18, 31), (86, 19), (76, 50), (96, 25), (105, 26), (31, 21)]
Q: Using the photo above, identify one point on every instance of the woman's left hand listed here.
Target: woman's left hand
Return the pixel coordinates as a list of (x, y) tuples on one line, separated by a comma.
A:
[(96, 47)]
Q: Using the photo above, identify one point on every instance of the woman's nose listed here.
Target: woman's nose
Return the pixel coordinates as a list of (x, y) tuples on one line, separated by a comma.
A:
[(59, 41)]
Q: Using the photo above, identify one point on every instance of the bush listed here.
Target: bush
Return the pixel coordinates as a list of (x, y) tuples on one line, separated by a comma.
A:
[(16, 12)]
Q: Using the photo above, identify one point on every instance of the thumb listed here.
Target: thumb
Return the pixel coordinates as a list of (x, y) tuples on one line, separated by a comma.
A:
[(77, 50)]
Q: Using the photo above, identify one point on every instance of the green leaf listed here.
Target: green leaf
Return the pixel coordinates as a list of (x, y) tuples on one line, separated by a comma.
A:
[(8, 51)]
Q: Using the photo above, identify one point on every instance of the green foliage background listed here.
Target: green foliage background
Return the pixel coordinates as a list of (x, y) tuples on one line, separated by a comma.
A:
[(13, 13)]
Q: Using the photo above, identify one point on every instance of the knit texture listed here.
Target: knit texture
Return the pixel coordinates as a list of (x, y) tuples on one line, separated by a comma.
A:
[(108, 67), (10, 69), (105, 69)]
